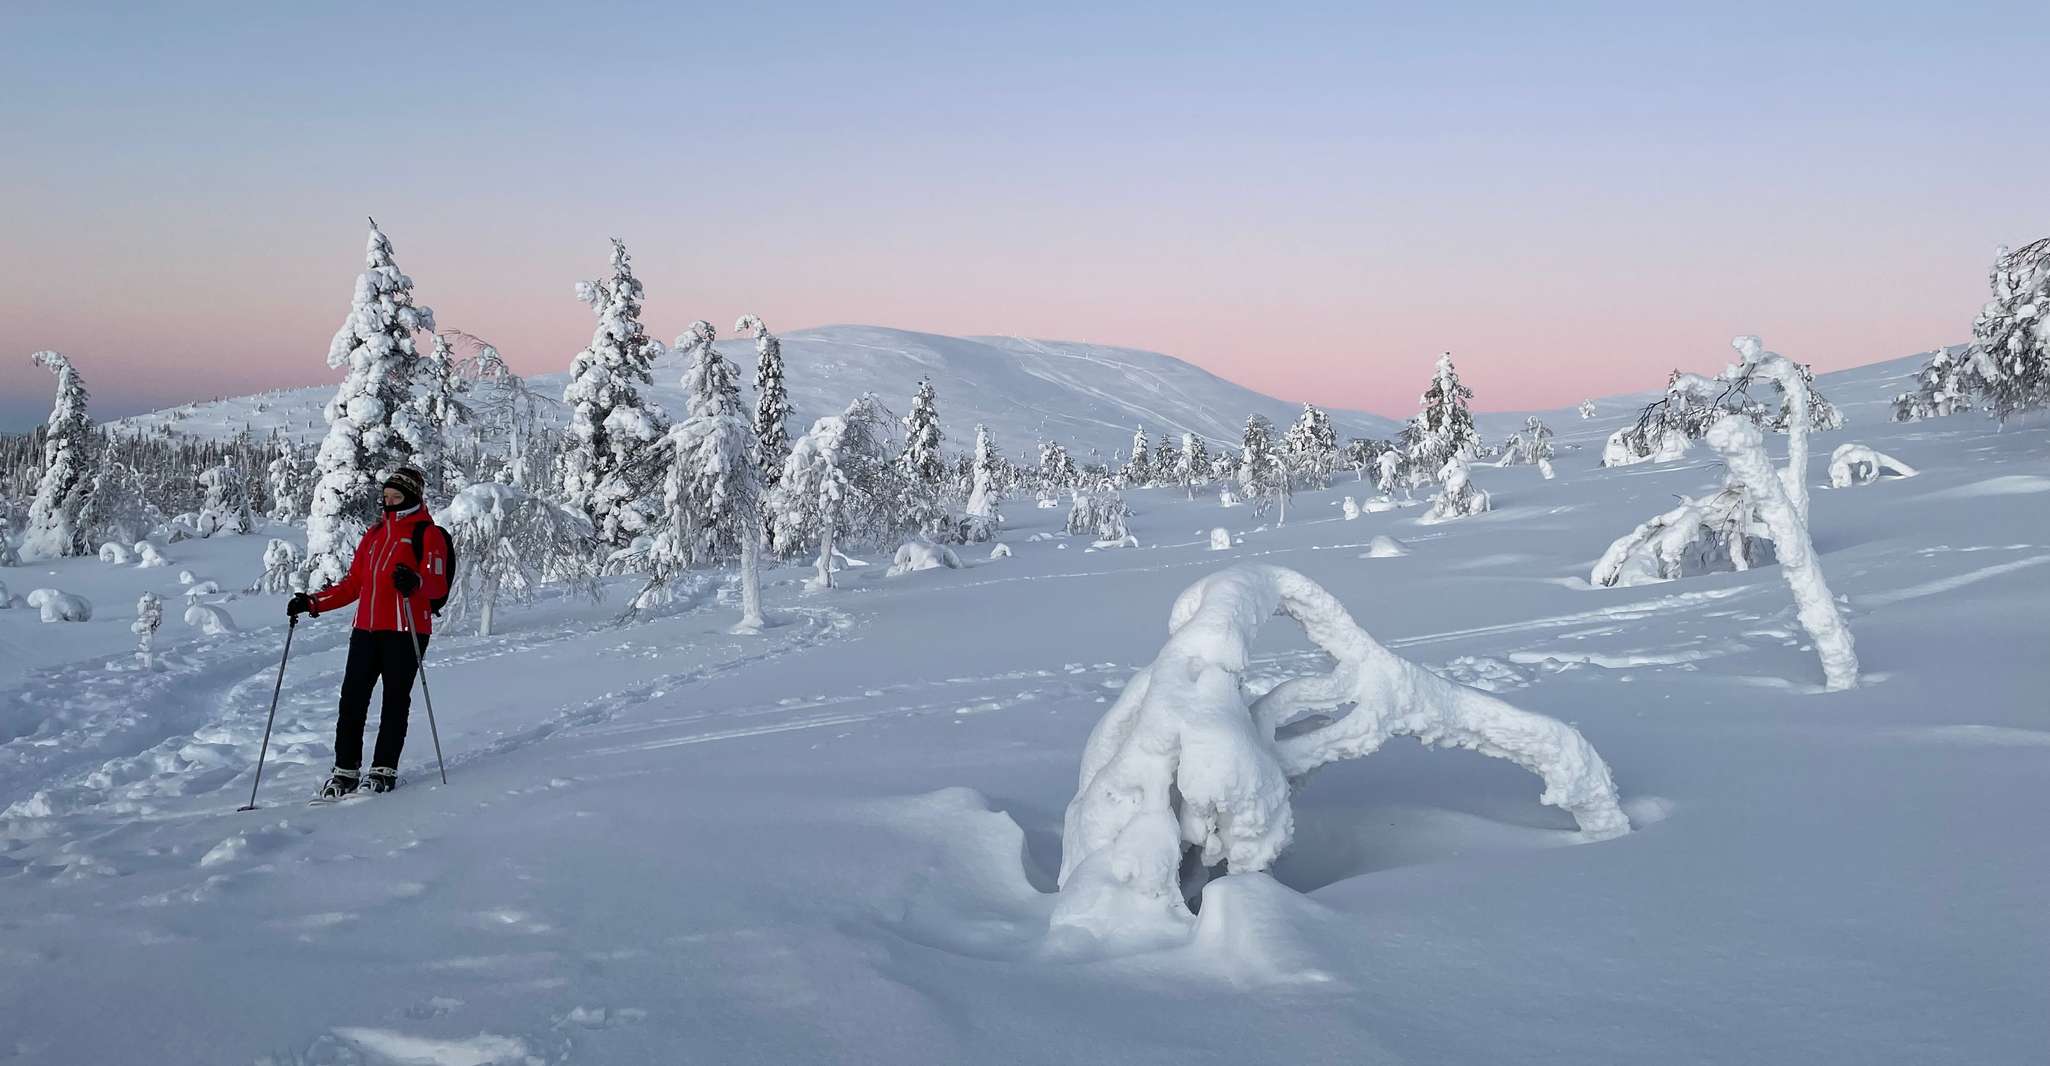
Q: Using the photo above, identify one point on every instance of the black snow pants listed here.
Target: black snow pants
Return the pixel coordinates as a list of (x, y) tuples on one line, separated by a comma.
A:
[(374, 655)]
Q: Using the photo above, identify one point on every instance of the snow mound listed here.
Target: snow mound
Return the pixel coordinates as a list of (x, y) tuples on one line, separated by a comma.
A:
[(197, 589), (1000, 551), (1384, 547), (59, 606), (915, 555), (1186, 772), (209, 619), (147, 556), (116, 553), (1351, 507), (1220, 539)]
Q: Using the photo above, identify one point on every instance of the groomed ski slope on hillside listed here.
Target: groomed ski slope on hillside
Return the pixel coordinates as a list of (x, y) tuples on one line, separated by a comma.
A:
[(836, 842)]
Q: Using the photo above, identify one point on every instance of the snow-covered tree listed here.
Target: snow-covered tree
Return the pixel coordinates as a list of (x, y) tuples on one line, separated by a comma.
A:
[(149, 616), (985, 497), (289, 483), (508, 541), (280, 566), (1586, 409), (509, 418), (1264, 475), (1100, 513), (1138, 472), (1310, 447), (1717, 533), (1861, 464), (1192, 464), (772, 401), (439, 408), (834, 483), (1187, 773), (922, 467), (1056, 469), (605, 469), (225, 507), (2011, 338), (370, 420), (1443, 426), (1942, 388), (55, 528)]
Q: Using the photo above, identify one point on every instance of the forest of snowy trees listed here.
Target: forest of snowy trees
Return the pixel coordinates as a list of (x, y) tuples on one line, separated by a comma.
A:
[(601, 480)]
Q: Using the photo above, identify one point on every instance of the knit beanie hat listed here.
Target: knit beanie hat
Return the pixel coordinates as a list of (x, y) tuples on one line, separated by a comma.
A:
[(411, 484)]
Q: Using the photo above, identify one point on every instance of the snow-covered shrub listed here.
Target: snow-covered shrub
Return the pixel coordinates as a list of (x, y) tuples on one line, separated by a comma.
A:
[(115, 552), (209, 619), (1351, 508), (60, 606), (1715, 534), (280, 567), (1126, 541), (186, 577), (1628, 447), (6, 602), (1226, 497), (508, 541), (1857, 464), (1188, 770), (1545, 468), (1220, 539), (1001, 551), (920, 554), (149, 614), (1458, 497), (1384, 547), (9, 556), (1099, 513), (202, 588), (147, 556), (1586, 410), (1743, 449)]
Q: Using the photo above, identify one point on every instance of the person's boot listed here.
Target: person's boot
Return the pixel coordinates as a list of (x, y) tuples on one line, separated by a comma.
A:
[(339, 783), (383, 779)]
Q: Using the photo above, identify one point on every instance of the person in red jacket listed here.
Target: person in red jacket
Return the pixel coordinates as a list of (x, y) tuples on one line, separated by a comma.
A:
[(391, 587)]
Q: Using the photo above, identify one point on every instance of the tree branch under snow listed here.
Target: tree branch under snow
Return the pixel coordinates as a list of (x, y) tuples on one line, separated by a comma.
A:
[(1183, 763)]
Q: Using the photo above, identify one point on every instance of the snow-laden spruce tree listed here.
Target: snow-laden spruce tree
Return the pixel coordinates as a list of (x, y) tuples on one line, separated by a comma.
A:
[(1443, 426), (149, 616), (1389, 471), (280, 566), (1056, 469), (772, 400), (605, 469), (370, 416), (2011, 338), (508, 541), (1192, 464), (1138, 472), (290, 483), (1264, 475), (1943, 387), (922, 467), (1743, 448), (711, 493), (1189, 774), (834, 484), (985, 496), (439, 409), (1310, 447), (54, 525)]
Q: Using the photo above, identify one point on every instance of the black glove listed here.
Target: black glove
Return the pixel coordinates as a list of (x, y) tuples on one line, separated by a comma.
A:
[(405, 580), (299, 604)]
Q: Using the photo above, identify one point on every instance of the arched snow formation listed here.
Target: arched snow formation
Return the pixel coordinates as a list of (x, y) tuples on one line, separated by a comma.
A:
[(1186, 766)]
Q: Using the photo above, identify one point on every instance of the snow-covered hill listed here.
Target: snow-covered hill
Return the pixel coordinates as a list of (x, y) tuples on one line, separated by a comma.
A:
[(1086, 396)]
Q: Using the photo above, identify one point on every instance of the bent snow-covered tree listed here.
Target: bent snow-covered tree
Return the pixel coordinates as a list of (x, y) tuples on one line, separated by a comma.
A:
[(1942, 388), (1189, 772), (1716, 534), (370, 416), (1743, 449), (1859, 464), (55, 527)]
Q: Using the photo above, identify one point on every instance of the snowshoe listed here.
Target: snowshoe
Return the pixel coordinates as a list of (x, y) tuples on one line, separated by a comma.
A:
[(382, 779), (340, 785)]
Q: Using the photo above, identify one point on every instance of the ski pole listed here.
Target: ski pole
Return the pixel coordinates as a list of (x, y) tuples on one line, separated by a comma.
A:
[(420, 667), (291, 626)]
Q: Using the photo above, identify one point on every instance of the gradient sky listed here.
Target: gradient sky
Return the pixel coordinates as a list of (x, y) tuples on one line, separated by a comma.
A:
[(1572, 198)]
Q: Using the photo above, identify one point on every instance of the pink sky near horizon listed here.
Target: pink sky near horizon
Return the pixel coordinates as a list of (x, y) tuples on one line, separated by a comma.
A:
[(1313, 204)]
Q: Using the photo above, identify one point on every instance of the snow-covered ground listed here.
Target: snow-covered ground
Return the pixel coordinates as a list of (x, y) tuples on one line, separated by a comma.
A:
[(835, 842), (1086, 396)]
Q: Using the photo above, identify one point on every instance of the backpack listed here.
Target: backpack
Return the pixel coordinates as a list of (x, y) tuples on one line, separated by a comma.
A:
[(448, 544)]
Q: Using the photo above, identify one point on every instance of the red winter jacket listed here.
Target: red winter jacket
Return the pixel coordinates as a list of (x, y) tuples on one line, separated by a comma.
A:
[(388, 546)]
